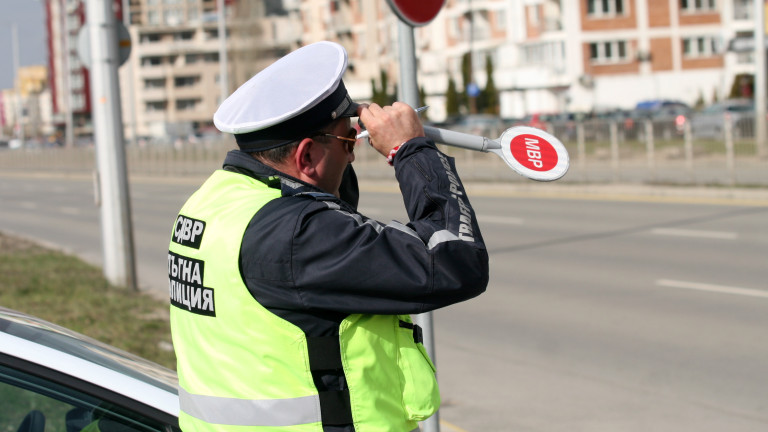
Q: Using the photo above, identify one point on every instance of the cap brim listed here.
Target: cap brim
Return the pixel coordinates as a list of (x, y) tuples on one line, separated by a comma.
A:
[(351, 110)]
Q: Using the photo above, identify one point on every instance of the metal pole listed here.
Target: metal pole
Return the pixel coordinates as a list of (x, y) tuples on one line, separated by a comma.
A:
[(613, 129), (409, 93), (729, 159), (17, 83), (116, 229), (223, 78), (650, 148), (760, 79), (688, 147), (129, 65), (581, 150), (69, 131)]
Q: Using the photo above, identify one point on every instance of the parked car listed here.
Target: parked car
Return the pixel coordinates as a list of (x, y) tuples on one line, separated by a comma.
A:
[(710, 122), (487, 125), (53, 379), (667, 116)]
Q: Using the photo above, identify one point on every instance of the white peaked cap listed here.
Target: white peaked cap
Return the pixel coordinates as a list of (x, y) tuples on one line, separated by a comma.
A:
[(292, 98)]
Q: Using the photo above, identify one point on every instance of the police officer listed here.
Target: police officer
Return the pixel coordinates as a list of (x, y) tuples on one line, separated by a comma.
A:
[(289, 308)]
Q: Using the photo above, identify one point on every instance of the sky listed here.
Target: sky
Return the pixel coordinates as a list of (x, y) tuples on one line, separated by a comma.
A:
[(29, 16)]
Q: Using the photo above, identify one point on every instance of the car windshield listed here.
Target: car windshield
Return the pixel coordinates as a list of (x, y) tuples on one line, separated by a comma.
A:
[(50, 335), (740, 108)]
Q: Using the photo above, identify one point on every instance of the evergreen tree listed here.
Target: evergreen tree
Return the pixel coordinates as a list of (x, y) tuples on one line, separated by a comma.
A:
[(380, 95), (700, 101), (490, 96), (451, 99), (466, 76)]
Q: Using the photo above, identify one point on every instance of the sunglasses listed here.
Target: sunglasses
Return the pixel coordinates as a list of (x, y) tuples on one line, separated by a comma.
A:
[(350, 139)]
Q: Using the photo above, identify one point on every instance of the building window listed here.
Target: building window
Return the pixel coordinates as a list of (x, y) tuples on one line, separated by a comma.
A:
[(694, 6), (190, 58), (545, 53), (608, 52), (184, 36), (151, 61), (187, 104), (150, 38), (742, 9), (186, 81), (211, 34), (605, 8), (153, 17), (173, 17), (154, 83), (156, 106), (701, 46), (78, 102), (211, 57)]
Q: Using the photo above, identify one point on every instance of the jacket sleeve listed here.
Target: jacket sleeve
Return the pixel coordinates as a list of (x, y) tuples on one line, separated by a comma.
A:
[(338, 260)]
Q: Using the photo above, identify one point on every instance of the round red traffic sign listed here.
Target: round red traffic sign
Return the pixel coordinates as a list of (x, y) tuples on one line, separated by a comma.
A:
[(416, 12), (534, 153)]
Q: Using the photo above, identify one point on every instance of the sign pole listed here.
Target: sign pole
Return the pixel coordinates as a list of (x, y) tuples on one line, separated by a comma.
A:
[(412, 14), (409, 93), (760, 79), (111, 176)]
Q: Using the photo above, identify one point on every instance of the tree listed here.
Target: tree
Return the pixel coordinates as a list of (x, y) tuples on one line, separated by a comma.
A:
[(380, 95), (489, 96), (466, 76), (452, 99), (700, 101)]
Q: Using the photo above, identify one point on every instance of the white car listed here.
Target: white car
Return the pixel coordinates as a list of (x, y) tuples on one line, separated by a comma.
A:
[(56, 380)]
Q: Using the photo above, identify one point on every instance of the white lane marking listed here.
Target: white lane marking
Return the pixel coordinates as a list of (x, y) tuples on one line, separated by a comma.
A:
[(70, 210), (500, 220), (722, 235), (712, 288)]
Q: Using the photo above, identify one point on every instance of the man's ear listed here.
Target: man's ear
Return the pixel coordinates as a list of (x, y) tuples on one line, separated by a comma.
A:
[(304, 157)]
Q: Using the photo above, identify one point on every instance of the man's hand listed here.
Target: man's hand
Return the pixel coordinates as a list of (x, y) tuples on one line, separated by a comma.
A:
[(390, 126)]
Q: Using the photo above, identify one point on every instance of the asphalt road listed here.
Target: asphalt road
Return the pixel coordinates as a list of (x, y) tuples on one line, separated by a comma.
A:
[(601, 315)]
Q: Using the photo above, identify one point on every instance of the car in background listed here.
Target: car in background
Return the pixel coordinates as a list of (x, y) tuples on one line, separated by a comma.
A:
[(709, 123), (668, 117), (53, 379), (487, 125)]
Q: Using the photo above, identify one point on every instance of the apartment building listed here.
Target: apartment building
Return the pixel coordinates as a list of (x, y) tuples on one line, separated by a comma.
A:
[(68, 78), (547, 55), (556, 55), (170, 83), (25, 110)]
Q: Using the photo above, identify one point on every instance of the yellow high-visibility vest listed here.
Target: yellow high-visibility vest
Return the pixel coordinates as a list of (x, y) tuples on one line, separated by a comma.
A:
[(243, 368)]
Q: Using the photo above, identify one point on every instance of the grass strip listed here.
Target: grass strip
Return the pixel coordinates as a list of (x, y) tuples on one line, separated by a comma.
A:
[(64, 290)]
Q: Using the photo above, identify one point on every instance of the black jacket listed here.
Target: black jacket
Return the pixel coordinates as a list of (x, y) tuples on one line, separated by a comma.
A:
[(310, 251)]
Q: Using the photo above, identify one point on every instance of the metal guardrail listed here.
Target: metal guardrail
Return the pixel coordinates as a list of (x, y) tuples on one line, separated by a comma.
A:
[(600, 151)]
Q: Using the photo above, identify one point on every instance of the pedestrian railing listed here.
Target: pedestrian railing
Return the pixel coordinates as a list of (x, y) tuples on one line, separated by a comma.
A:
[(645, 151)]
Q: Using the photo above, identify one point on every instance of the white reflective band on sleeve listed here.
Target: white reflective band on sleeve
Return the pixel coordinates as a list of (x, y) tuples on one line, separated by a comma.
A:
[(251, 412), (441, 237), (400, 227)]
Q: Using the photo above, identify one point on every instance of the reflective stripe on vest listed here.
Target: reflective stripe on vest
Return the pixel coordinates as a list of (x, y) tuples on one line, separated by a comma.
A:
[(251, 412)]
